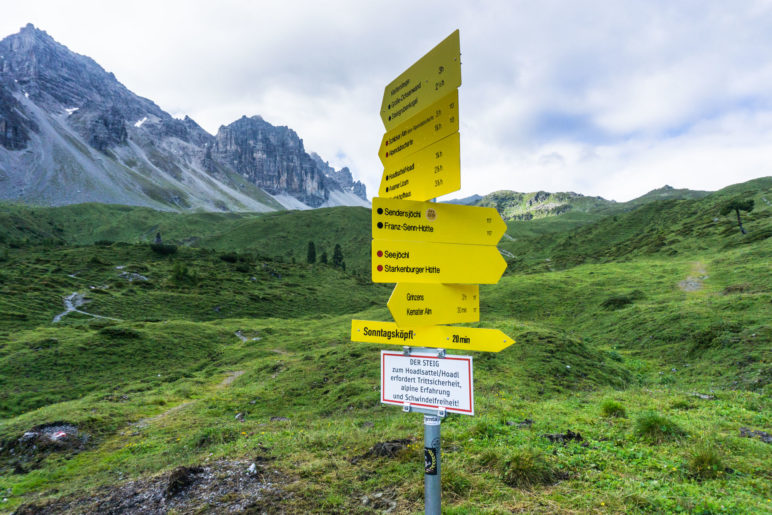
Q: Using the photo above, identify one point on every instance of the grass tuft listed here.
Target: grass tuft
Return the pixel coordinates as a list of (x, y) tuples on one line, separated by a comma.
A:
[(655, 428), (524, 468), (612, 408), (706, 462)]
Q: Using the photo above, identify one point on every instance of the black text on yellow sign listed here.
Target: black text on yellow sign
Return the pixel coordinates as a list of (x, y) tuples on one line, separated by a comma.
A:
[(434, 123), (426, 174), (395, 219), (430, 78), (424, 262), (413, 305), (437, 336)]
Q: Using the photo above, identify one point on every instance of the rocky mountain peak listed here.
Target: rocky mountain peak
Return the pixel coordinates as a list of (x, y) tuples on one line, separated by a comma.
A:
[(49, 94)]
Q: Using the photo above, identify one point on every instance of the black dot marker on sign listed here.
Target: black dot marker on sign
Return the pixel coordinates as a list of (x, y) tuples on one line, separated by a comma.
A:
[(387, 190), (380, 210), (380, 225)]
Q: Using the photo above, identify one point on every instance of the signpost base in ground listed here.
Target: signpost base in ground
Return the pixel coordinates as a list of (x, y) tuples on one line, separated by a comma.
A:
[(421, 361), (432, 482)]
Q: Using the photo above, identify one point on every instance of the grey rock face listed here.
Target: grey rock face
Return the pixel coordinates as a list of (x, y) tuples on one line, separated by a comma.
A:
[(14, 126), (271, 157), (342, 178), (82, 129)]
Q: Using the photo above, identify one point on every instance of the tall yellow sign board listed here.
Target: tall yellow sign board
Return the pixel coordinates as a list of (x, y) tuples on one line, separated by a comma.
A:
[(415, 305), (434, 123), (438, 336), (424, 262), (433, 76), (395, 219), (428, 173), (436, 253)]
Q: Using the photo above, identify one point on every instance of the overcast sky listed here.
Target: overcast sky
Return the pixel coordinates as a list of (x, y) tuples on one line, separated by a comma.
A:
[(609, 98)]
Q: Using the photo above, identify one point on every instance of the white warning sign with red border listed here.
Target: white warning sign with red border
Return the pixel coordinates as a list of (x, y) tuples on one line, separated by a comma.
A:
[(427, 381)]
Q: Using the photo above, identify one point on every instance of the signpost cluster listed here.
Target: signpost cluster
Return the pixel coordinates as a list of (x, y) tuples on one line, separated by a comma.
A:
[(437, 254)]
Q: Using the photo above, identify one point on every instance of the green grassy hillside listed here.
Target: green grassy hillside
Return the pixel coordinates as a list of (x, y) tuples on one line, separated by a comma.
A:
[(664, 227), (282, 236), (647, 332)]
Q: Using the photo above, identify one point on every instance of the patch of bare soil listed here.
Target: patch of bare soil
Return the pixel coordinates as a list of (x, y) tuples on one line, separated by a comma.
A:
[(693, 281), (232, 376), (27, 451), (219, 487), (149, 420), (388, 449)]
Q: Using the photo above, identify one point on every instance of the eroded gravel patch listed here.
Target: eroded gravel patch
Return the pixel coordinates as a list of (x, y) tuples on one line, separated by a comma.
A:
[(218, 487)]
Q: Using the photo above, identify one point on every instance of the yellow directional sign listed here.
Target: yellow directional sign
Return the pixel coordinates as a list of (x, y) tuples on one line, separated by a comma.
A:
[(431, 77), (423, 262), (439, 336), (426, 174), (415, 305), (437, 121), (395, 219)]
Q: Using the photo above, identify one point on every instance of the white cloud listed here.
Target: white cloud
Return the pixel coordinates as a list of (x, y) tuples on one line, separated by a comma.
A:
[(603, 98)]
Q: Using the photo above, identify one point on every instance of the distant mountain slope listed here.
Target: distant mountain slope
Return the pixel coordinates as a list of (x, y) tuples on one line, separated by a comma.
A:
[(670, 226), (71, 133), (665, 193), (513, 205), (527, 206)]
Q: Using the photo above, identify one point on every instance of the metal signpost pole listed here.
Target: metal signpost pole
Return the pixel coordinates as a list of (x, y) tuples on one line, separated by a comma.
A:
[(428, 249), (432, 483)]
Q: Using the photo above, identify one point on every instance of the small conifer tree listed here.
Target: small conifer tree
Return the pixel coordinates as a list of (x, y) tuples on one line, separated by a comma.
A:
[(337, 257), (311, 253), (738, 205)]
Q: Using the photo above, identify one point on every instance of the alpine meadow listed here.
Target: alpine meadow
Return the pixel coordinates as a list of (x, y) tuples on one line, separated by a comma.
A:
[(205, 321), (214, 371)]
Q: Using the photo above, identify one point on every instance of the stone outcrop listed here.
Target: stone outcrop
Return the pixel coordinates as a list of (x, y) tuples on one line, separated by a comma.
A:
[(271, 157)]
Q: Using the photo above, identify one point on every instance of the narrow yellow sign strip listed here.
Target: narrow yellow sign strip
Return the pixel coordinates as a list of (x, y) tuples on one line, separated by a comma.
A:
[(426, 174), (416, 305), (438, 336), (424, 262), (431, 77), (437, 121), (395, 219)]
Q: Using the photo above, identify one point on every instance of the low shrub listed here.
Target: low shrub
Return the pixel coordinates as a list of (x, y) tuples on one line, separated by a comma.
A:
[(455, 483), (181, 274), (163, 249), (230, 257), (621, 300), (120, 332), (211, 436), (682, 404)]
